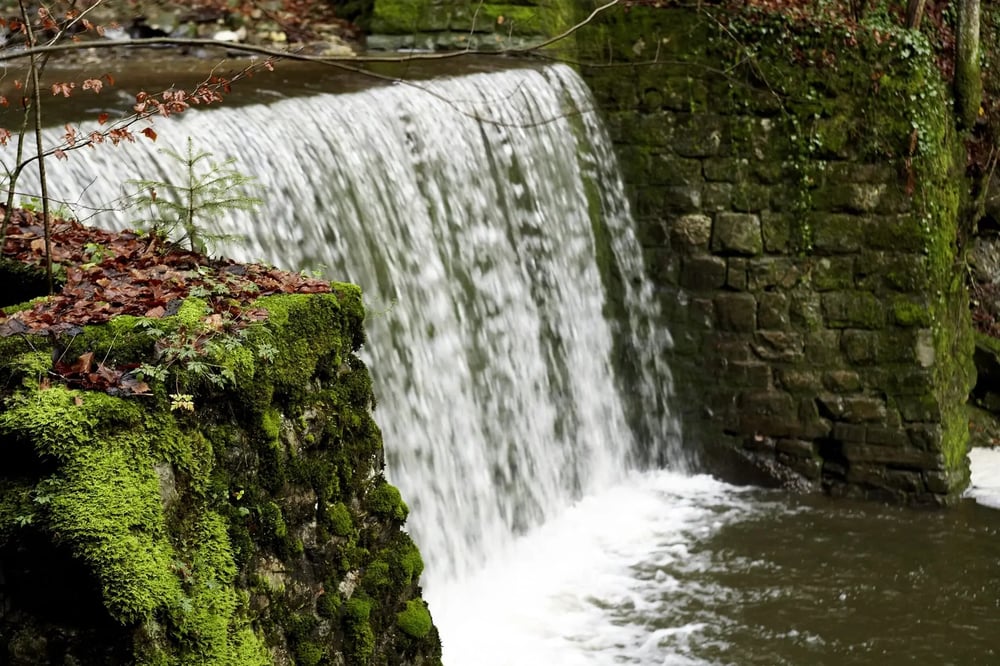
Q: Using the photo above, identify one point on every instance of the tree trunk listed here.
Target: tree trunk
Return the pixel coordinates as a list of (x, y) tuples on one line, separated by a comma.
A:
[(914, 12), (968, 80)]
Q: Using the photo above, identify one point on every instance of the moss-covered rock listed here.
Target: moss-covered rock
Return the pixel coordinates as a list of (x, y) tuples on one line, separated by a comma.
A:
[(224, 526)]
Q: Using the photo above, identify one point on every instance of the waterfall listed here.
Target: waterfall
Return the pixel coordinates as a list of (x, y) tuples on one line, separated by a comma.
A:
[(485, 220)]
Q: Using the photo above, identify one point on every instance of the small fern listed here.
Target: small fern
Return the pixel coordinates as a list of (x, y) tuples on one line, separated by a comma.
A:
[(179, 212)]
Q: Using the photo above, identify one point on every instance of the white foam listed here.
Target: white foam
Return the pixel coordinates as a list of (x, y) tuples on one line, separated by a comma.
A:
[(598, 584), (985, 484)]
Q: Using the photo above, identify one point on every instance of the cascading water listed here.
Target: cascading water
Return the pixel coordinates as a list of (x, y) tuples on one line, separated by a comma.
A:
[(484, 218), (467, 214)]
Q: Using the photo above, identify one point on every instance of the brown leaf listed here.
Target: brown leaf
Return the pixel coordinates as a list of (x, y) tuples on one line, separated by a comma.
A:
[(78, 401), (83, 363), (156, 313)]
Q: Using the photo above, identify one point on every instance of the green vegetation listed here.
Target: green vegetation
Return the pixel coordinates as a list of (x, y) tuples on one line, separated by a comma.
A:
[(192, 523), (415, 620), (179, 211)]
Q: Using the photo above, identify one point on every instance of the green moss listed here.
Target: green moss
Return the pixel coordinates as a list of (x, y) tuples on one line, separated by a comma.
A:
[(270, 424), (376, 578), (399, 16), (360, 639), (416, 619), (191, 313), (339, 519), (309, 654), (386, 501), (180, 570)]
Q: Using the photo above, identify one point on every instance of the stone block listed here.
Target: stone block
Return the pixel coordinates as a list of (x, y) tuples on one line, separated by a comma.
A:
[(716, 197), (836, 234), (866, 474), (925, 436), (650, 202), (853, 309), (652, 232), (909, 311), (773, 310), (701, 314), (937, 482), (895, 233), (849, 197), (887, 455), (736, 273), (796, 380), (699, 135), (703, 272), (814, 426), (853, 408), (860, 347), (822, 348), (905, 379), (691, 233), (906, 272), (776, 230), (731, 346), (849, 432), (830, 273), (778, 346), (726, 169), (744, 375), (906, 481), (683, 198), (635, 164), (883, 436), (796, 447), (749, 197), (923, 348), (919, 408), (897, 345), (842, 381), (768, 413), (669, 169), (805, 310), (766, 273), (811, 468), (662, 265), (736, 312), (735, 233), (855, 172)]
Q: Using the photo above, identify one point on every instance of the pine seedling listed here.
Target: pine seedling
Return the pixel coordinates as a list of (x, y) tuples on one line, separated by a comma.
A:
[(179, 212)]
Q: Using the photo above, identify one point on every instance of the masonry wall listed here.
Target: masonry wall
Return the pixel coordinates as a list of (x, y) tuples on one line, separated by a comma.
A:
[(797, 192), (466, 24)]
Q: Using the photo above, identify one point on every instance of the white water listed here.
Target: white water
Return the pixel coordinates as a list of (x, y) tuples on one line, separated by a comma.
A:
[(508, 429), (601, 583)]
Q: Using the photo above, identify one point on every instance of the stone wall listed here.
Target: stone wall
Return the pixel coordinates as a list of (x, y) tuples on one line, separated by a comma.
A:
[(799, 213), (461, 24)]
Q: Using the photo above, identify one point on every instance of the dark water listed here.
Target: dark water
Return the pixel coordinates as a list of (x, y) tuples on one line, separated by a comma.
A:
[(822, 582), (811, 581)]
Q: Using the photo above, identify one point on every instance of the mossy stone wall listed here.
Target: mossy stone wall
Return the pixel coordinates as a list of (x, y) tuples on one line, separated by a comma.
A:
[(461, 24), (797, 190)]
